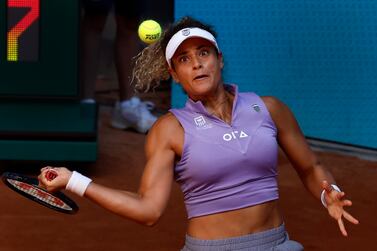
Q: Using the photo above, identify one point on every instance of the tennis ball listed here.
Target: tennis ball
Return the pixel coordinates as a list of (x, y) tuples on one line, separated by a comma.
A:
[(149, 31)]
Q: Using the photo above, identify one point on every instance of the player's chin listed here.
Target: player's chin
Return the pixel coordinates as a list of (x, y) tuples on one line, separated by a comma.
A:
[(203, 86)]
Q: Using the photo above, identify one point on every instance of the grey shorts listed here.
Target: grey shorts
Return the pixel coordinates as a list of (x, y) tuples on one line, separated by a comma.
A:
[(271, 240)]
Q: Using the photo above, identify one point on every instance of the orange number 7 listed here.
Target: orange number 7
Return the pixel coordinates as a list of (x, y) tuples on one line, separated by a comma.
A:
[(16, 31)]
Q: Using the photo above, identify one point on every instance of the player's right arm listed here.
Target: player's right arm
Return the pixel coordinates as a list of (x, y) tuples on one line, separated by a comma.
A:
[(148, 204)]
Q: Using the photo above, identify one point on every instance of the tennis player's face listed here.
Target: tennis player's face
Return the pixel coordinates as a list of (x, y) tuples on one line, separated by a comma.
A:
[(197, 67)]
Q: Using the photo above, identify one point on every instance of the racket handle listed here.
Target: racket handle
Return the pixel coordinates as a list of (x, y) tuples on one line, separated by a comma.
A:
[(50, 175)]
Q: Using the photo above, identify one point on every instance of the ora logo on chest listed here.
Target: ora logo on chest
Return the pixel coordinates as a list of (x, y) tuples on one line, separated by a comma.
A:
[(234, 135)]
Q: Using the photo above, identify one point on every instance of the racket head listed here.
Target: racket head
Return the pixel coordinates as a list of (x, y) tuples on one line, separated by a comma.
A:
[(28, 187)]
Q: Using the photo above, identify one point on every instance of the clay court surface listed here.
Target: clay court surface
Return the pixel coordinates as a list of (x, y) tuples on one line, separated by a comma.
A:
[(25, 225)]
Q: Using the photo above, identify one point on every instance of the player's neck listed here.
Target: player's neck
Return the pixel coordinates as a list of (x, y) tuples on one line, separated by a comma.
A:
[(221, 106)]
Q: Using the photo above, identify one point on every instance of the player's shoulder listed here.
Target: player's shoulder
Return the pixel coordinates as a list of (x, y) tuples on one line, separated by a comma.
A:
[(279, 111), (167, 120), (166, 124), (272, 103), (164, 133)]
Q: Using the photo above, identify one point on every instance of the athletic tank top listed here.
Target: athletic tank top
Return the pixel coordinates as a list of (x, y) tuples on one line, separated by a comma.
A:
[(227, 166)]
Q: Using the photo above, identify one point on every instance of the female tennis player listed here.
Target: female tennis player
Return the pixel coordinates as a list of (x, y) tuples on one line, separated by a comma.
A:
[(221, 148)]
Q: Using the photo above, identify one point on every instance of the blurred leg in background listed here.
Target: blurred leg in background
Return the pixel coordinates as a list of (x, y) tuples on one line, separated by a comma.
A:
[(129, 110)]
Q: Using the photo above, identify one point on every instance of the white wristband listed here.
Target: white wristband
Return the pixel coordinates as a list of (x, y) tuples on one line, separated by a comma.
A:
[(335, 187), (78, 183)]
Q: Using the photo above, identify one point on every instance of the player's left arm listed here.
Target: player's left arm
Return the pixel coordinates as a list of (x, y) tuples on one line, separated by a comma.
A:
[(311, 171)]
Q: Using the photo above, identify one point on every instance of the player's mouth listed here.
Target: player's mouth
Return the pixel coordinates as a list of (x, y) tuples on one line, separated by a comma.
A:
[(201, 77)]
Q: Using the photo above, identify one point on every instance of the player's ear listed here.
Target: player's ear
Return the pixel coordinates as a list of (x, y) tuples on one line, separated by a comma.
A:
[(173, 74), (221, 59)]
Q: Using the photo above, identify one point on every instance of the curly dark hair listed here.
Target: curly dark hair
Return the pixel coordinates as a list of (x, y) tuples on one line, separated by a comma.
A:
[(150, 64)]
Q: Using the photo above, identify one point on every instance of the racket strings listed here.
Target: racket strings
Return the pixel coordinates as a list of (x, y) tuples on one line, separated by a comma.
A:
[(39, 194)]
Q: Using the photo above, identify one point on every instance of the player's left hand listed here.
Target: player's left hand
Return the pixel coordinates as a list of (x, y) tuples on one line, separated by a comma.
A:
[(335, 206)]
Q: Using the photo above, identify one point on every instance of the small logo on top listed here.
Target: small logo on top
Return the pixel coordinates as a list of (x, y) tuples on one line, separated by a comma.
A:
[(201, 123), (256, 107)]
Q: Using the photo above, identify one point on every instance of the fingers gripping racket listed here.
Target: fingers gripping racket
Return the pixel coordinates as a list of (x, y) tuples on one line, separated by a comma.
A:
[(28, 187)]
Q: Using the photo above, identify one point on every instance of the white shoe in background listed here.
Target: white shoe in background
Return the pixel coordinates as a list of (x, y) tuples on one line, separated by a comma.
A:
[(133, 113)]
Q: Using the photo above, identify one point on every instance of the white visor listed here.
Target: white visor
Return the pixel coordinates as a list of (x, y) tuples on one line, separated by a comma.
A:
[(184, 34)]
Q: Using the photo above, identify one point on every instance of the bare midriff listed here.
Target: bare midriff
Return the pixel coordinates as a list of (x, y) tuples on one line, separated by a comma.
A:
[(235, 223)]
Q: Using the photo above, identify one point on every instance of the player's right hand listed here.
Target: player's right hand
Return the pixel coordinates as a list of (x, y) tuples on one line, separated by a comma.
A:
[(54, 178)]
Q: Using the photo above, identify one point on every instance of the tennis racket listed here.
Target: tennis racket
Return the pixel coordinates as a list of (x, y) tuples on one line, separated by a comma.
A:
[(28, 187)]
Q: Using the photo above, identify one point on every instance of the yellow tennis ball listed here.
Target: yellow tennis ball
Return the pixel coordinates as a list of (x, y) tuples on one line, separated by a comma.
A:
[(149, 31)]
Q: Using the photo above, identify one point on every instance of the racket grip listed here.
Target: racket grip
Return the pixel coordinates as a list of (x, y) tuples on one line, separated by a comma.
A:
[(50, 175)]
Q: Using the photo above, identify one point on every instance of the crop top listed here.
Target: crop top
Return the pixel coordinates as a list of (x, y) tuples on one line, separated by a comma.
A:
[(227, 166)]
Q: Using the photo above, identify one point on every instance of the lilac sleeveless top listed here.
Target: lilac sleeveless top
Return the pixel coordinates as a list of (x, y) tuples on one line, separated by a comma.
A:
[(225, 167)]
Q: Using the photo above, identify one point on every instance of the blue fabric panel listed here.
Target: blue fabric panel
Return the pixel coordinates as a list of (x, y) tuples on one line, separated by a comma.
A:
[(319, 57)]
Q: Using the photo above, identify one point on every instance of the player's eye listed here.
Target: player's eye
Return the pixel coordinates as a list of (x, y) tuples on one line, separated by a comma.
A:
[(183, 59), (204, 52)]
